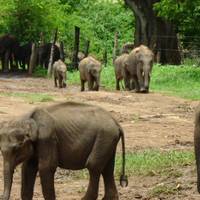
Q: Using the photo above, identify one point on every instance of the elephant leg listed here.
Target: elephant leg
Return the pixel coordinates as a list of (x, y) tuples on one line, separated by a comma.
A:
[(82, 85), (6, 61), (117, 84), (109, 182), (47, 166), (93, 187), (55, 82), (29, 171), (47, 182), (90, 84), (136, 83), (60, 80), (96, 86)]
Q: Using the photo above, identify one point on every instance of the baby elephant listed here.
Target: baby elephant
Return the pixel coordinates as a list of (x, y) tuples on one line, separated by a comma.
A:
[(59, 71), (119, 65), (68, 135), (90, 70)]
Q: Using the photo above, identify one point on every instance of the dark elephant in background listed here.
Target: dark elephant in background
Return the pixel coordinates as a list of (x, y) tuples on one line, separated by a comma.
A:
[(138, 68), (67, 135), (90, 71), (44, 52), (7, 45), (22, 55), (60, 73)]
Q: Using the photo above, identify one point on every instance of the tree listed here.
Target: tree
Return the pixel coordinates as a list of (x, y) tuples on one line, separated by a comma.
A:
[(185, 15), (155, 32)]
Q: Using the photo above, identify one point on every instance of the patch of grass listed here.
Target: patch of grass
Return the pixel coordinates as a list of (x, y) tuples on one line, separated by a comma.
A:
[(40, 72), (182, 81), (162, 189), (149, 163), (154, 162), (30, 97)]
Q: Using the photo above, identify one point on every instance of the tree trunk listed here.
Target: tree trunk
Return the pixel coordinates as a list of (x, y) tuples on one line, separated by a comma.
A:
[(105, 58), (62, 54), (116, 47), (87, 46), (49, 73), (32, 59), (156, 33), (76, 48)]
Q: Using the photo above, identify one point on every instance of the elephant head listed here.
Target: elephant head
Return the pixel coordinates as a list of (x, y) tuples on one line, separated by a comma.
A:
[(144, 61), (16, 139)]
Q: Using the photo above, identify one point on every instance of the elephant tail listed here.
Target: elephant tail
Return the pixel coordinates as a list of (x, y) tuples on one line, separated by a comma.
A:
[(197, 145), (123, 177)]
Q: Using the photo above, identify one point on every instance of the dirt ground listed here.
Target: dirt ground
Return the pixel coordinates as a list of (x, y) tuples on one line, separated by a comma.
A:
[(149, 120)]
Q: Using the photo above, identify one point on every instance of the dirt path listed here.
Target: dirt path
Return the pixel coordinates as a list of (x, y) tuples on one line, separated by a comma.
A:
[(149, 120)]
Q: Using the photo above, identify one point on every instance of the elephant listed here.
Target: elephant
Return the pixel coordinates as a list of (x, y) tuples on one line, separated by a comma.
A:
[(119, 65), (59, 71), (44, 52), (22, 55), (69, 135), (90, 71), (81, 56), (197, 144), (7, 44), (138, 67)]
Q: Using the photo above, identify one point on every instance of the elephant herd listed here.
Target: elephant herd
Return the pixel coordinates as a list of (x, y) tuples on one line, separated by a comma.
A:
[(134, 68), (14, 56)]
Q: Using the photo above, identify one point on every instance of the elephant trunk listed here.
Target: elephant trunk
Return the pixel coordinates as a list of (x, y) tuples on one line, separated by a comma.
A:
[(146, 81), (97, 83), (8, 177), (64, 79), (197, 146)]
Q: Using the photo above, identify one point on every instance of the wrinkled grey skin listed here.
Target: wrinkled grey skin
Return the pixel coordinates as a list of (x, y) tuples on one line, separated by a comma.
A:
[(90, 71), (197, 145), (138, 67), (60, 71), (119, 65), (69, 135)]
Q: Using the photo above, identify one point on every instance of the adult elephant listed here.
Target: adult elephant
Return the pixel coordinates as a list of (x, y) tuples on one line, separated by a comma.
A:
[(44, 52), (22, 55), (138, 68), (69, 135), (7, 45)]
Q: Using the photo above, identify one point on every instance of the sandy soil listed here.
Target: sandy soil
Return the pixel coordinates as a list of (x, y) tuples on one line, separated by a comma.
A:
[(149, 120)]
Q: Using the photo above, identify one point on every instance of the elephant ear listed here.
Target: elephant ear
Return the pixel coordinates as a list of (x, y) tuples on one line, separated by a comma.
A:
[(45, 123), (32, 129)]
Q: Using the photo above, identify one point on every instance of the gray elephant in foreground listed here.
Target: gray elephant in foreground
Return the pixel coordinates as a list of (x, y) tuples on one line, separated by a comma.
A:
[(60, 73), (119, 65), (69, 135), (197, 145), (138, 68), (90, 71)]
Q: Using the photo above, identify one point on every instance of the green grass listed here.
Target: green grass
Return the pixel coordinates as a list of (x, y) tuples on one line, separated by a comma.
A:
[(182, 81), (29, 97), (150, 163)]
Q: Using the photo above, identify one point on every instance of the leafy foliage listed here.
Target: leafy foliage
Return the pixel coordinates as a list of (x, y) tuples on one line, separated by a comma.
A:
[(185, 14), (98, 21)]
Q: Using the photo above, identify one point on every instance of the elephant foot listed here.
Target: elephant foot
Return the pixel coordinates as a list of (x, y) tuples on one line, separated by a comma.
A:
[(115, 197), (88, 198)]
